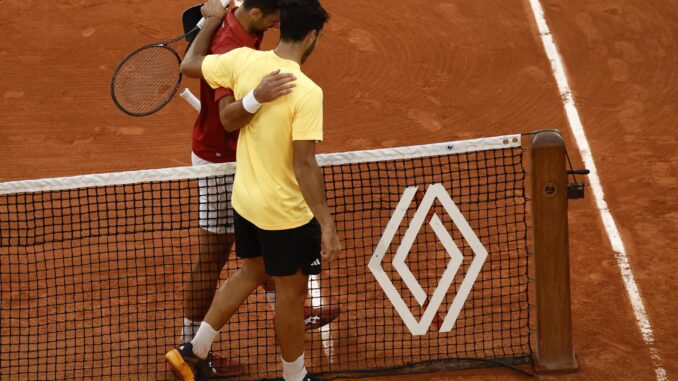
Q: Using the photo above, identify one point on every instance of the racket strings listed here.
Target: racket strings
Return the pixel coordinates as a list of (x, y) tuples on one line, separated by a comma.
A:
[(147, 80)]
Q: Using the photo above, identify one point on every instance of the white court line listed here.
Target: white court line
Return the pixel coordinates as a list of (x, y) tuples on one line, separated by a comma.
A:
[(317, 302), (610, 225)]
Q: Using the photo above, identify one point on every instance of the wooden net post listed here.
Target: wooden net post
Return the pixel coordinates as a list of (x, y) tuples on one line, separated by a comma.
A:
[(554, 352)]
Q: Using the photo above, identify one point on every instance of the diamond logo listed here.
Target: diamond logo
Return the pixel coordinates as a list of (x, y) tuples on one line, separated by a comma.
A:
[(421, 327)]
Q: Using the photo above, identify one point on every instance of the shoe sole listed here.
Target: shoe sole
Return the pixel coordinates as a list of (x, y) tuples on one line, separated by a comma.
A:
[(179, 366)]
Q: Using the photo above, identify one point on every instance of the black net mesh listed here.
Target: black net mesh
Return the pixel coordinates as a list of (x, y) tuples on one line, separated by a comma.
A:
[(92, 279)]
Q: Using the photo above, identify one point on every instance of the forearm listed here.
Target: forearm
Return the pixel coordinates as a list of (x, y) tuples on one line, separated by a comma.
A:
[(233, 115), (191, 65), (236, 115), (312, 186)]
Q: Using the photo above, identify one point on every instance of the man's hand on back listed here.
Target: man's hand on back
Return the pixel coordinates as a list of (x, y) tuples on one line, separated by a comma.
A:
[(273, 86)]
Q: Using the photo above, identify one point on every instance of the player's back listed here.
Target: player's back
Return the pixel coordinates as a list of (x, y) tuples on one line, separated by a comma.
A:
[(252, 65), (266, 191)]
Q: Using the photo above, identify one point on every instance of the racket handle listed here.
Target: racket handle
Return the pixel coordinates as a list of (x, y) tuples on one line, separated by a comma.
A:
[(201, 23), (191, 99)]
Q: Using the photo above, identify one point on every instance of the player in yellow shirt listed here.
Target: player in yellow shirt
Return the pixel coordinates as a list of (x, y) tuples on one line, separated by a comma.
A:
[(283, 226)]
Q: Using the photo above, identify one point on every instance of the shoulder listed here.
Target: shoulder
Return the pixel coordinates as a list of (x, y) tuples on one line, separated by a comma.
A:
[(235, 55), (307, 87), (246, 53), (242, 51), (223, 41), (307, 96)]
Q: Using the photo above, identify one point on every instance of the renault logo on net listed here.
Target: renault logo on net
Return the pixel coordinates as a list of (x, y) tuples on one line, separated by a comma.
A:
[(421, 327)]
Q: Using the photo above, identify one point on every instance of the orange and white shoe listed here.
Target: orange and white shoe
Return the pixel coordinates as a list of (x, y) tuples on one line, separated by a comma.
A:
[(186, 365)]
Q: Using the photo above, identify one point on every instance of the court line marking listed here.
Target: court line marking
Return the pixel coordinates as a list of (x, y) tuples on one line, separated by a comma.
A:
[(577, 128)]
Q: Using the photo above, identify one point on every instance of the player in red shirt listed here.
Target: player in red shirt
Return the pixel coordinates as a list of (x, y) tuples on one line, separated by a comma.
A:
[(242, 27)]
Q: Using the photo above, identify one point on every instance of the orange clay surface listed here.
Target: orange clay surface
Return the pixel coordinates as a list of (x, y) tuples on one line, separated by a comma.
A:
[(400, 73)]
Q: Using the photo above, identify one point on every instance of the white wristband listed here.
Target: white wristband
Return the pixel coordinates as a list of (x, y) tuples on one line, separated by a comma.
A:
[(250, 103)]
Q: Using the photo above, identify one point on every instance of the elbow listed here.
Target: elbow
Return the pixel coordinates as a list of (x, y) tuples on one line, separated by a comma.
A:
[(299, 174), (184, 67), (301, 168), (227, 123), (190, 68), (228, 127)]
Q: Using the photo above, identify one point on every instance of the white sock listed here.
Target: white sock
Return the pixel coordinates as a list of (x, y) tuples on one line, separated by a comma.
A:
[(270, 297), (294, 371), (202, 343), (189, 330)]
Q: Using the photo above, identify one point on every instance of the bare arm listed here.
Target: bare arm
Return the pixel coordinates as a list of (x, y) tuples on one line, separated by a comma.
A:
[(214, 13), (233, 115), (312, 186)]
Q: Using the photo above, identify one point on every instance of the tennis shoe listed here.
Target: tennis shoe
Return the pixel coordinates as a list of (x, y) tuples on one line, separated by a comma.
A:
[(186, 365), (316, 317), (222, 366)]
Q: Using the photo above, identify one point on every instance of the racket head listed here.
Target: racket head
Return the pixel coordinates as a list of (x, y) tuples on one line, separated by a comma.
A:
[(146, 80)]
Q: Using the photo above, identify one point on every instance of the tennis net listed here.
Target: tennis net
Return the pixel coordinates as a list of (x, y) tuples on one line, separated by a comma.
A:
[(433, 274)]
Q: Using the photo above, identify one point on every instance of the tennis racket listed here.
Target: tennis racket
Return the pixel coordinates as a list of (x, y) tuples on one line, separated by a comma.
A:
[(148, 78)]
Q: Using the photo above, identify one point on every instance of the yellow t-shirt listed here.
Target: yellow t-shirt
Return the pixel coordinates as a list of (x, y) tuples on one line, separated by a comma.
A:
[(265, 189)]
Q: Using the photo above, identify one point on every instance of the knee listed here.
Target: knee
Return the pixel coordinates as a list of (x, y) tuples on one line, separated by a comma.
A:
[(254, 272), (291, 292)]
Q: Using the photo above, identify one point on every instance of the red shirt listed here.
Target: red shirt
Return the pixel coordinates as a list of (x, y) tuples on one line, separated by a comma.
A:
[(210, 141)]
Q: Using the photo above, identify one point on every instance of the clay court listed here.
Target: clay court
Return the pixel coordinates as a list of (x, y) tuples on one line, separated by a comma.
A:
[(409, 73)]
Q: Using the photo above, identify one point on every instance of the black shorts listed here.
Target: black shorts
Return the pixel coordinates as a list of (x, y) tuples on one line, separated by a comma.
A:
[(284, 251)]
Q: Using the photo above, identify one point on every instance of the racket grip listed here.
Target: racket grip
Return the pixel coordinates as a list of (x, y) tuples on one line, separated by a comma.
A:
[(191, 99), (201, 23)]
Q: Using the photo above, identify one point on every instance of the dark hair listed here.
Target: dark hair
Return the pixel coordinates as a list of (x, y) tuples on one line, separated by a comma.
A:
[(298, 17), (267, 6)]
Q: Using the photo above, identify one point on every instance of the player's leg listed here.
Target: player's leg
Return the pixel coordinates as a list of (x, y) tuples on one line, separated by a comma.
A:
[(235, 290), (190, 360), (290, 256), (213, 251), (314, 316), (289, 322), (233, 293), (214, 245), (215, 240)]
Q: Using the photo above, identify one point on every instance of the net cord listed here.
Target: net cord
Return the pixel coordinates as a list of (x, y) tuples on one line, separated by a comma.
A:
[(178, 173)]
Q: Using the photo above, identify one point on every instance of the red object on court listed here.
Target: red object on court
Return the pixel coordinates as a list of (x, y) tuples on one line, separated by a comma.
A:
[(224, 367), (316, 317)]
